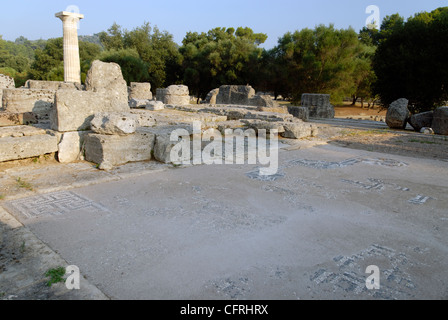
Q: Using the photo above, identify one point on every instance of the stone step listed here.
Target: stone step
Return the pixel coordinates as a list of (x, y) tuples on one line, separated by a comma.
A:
[(21, 142)]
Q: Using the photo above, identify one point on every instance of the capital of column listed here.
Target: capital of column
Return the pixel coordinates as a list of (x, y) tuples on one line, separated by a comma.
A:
[(65, 14)]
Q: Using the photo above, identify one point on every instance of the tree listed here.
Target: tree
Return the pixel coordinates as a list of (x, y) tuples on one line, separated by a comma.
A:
[(411, 60), (156, 50), (322, 60), (49, 62), (220, 56)]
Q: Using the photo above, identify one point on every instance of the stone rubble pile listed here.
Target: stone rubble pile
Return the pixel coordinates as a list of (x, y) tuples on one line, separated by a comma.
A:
[(430, 122)]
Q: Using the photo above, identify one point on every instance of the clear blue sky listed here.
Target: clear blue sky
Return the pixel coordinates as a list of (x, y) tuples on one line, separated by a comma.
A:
[(35, 19)]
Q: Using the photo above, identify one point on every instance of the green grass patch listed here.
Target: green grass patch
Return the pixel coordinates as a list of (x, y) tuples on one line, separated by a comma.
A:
[(23, 184), (56, 275), (2, 197), (422, 141)]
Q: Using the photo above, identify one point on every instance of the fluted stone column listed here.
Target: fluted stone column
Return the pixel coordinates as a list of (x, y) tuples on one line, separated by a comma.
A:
[(72, 65)]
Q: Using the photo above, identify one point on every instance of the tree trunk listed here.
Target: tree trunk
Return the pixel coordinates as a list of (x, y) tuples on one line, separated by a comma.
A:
[(354, 100)]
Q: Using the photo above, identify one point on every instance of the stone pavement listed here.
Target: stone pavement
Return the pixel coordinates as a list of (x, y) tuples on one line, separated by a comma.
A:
[(225, 232)]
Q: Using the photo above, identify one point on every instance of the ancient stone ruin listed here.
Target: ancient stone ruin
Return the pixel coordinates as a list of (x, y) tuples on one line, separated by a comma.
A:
[(318, 105), (430, 122)]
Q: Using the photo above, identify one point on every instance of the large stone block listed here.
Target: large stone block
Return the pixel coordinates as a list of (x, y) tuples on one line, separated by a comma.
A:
[(107, 78), (318, 105), (113, 150), (52, 85), (70, 146), (111, 123), (421, 120), (15, 148), (40, 102), (440, 121), (297, 130), (302, 113), (263, 101), (398, 114), (6, 82), (231, 94), (175, 95), (140, 91), (74, 110)]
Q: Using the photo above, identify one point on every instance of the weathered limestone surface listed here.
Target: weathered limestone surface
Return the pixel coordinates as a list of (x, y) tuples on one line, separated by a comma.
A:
[(114, 150), (269, 116), (298, 130), (6, 82), (319, 105), (144, 118), (74, 110), (440, 121), (421, 120), (264, 125), (263, 101), (164, 145), (231, 94), (70, 146), (140, 91), (52, 85), (13, 119), (302, 113), (107, 78), (154, 105), (175, 94), (112, 123), (40, 102), (211, 97), (14, 148), (398, 114)]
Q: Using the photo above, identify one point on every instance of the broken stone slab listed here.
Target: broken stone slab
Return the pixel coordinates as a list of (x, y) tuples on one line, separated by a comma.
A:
[(13, 119), (107, 78), (421, 120), (279, 109), (140, 91), (298, 130), (112, 150), (52, 85), (38, 101), (16, 148), (144, 118), (263, 101), (71, 145), (269, 116), (233, 94), (21, 131), (398, 114), (302, 113), (114, 123), (264, 125), (440, 121), (154, 105), (137, 103), (74, 110)]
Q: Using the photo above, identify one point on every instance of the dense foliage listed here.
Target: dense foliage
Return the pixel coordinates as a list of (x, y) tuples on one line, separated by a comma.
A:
[(401, 59)]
